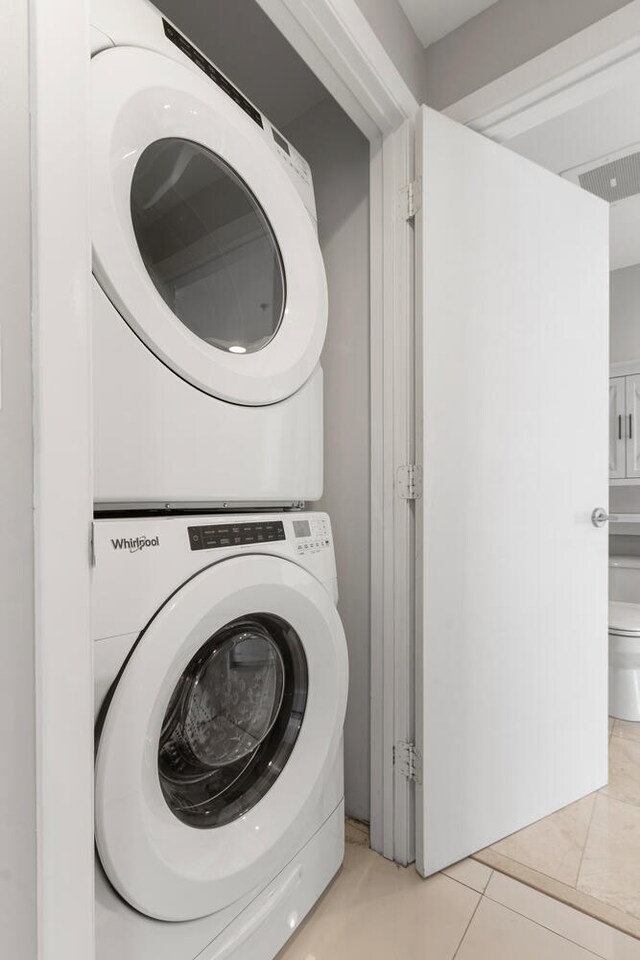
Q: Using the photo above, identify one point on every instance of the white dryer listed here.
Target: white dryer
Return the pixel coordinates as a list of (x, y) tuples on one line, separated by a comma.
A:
[(221, 685), (209, 293)]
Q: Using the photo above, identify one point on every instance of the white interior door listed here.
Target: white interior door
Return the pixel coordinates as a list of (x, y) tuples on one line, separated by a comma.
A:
[(512, 647), (617, 429)]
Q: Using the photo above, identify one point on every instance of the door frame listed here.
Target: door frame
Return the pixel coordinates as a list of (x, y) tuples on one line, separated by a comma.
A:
[(337, 42)]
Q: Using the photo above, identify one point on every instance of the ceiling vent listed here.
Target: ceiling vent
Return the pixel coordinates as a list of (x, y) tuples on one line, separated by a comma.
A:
[(613, 178)]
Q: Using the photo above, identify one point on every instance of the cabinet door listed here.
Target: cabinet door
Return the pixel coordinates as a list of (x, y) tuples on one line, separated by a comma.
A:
[(617, 428), (632, 424)]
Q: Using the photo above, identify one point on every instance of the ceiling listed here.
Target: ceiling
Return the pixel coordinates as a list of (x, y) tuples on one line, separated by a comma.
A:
[(589, 133), (432, 19)]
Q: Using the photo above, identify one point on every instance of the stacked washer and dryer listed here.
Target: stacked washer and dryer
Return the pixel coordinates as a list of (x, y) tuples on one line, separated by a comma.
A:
[(220, 658)]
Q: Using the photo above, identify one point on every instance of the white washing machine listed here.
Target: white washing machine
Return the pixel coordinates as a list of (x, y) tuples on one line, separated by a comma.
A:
[(221, 685), (209, 293)]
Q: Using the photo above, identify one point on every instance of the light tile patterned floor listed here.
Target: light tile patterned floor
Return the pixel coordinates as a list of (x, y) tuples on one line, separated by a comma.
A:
[(588, 855), (376, 910)]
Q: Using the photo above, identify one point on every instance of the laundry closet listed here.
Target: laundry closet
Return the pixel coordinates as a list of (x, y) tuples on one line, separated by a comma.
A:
[(221, 664)]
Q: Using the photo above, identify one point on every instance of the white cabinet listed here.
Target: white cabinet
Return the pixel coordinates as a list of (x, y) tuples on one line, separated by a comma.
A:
[(632, 424), (624, 426), (617, 425)]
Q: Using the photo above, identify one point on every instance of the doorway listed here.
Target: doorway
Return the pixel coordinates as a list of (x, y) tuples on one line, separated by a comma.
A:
[(587, 854)]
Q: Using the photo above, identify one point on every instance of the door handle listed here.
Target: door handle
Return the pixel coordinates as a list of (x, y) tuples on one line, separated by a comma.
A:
[(619, 426), (599, 517)]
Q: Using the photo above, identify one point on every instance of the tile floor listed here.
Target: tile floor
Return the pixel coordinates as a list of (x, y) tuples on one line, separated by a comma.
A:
[(588, 854), (375, 910)]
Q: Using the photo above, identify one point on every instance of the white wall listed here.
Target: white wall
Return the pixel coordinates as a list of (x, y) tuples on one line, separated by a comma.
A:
[(46, 717), (393, 29), (63, 501), (339, 159), (17, 677), (501, 38), (625, 314)]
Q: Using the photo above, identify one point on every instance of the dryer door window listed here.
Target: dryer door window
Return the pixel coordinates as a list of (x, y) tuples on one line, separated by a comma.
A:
[(232, 721), (202, 240), (207, 246)]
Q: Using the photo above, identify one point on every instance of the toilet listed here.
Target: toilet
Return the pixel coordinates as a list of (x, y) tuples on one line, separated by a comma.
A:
[(624, 638)]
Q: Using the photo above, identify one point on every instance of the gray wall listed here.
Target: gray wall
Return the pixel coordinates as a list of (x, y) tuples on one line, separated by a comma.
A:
[(393, 29), (625, 314), (501, 38), (243, 42), (17, 681), (339, 159)]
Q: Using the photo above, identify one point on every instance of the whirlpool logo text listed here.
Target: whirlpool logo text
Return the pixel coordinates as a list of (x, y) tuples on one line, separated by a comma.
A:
[(135, 544)]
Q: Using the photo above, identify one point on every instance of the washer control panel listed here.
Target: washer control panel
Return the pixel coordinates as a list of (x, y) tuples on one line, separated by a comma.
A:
[(311, 534), (214, 536)]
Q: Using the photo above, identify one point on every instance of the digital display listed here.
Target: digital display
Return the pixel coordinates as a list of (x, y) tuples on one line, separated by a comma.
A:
[(218, 78), (301, 528), (217, 535), (282, 143)]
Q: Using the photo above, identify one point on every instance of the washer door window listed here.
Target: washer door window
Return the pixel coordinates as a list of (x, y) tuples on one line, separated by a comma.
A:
[(207, 246), (201, 240), (218, 737), (232, 721)]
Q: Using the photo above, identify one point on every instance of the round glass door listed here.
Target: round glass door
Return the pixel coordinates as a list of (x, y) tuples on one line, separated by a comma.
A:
[(204, 241), (207, 246), (232, 721)]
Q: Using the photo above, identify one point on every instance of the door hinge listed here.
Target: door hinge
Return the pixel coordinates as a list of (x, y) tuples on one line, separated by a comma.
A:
[(92, 545), (408, 760), (411, 199), (409, 481)]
